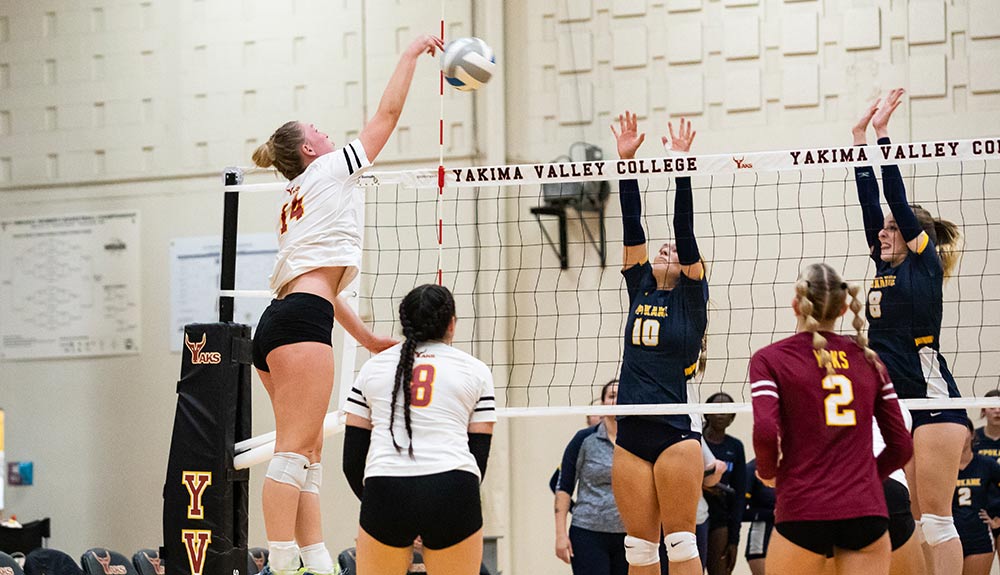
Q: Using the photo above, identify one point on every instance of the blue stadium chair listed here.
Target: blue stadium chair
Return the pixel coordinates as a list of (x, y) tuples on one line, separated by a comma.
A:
[(9, 565), (50, 562), (148, 562), (101, 561), (257, 560)]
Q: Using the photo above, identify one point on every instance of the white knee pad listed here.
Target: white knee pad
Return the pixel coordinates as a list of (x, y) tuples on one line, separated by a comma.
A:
[(640, 552), (314, 478), (938, 529), (290, 468), (681, 546), (283, 556)]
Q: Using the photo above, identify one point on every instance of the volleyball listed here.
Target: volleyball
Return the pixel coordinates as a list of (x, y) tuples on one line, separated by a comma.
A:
[(467, 63)]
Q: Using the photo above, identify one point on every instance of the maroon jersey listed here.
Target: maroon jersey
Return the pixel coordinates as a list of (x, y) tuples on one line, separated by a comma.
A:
[(821, 425)]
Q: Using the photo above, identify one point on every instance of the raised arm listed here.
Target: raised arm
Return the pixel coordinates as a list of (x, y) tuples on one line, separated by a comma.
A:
[(867, 184), (687, 245), (892, 181), (377, 131), (634, 237)]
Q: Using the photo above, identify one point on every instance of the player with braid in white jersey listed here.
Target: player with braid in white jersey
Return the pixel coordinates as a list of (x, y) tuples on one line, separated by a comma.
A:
[(320, 235), (419, 426)]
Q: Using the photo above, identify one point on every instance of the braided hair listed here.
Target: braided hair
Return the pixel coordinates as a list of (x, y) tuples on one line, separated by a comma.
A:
[(425, 314), (821, 295)]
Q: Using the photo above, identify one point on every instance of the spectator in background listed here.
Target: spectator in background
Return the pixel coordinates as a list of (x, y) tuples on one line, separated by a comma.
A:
[(986, 442), (593, 542), (759, 513), (725, 506)]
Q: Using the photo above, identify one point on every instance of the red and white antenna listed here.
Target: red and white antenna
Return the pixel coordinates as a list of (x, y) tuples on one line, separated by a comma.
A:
[(440, 199)]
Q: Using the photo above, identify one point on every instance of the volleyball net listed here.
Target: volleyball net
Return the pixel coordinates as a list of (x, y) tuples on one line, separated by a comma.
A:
[(532, 254), (549, 318)]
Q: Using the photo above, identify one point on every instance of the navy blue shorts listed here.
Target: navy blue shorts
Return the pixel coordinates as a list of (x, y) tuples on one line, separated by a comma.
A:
[(758, 538), (901, 523), (929, 416), (648, 438), (976, 537), (296, 318)]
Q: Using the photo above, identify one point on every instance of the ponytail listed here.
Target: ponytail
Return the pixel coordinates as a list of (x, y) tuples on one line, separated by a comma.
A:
[(806, 309), (281, 150), (945, 235), (949, 247), (820, 294), (425, 314), (859, 324), (403, 379), (263, 156)]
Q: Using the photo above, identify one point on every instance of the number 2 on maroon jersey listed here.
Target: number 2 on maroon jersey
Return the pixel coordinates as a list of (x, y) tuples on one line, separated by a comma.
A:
[(836, 403), (422, 385)]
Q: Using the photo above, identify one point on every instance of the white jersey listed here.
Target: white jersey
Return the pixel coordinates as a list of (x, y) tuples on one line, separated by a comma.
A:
[(450, 390), (878, 444), (320, 224)]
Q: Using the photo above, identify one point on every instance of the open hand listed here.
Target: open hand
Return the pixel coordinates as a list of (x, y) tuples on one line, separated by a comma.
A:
[(859, 129), (880, 120), (426, 43), (628, 137), (993, 522), (681, 141)]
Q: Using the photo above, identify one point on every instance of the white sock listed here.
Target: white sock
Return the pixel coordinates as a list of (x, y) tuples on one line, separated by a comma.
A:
[(283, 556), (316, 558)]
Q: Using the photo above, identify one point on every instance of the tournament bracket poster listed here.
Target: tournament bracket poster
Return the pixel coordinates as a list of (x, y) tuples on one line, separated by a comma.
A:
[(70, 285)]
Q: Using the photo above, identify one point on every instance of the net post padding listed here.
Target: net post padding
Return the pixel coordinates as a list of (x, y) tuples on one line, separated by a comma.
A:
[(205, 498)]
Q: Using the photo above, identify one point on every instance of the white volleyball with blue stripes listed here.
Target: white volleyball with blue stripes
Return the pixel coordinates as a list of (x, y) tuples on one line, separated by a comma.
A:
[(467, 63)]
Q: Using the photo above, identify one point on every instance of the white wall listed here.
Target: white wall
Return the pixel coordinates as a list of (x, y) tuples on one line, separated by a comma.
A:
[(138, 104)]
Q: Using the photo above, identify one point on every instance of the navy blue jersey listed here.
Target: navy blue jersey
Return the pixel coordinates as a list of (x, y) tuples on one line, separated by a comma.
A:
[(976, 484), (904, 313), (986, 447), (662, 341), (983, 445), (760, 498), (727, 508)]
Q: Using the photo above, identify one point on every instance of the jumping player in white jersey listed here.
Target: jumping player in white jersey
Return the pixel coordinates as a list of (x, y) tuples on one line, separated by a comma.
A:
[(419, 426), (319, 252)]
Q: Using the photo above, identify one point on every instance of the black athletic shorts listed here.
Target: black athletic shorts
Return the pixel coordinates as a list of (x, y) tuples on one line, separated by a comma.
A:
[(443, 509), (929, 416), (296, 318), (901, 523), (648, 438), (758, 538), (822, 537)]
